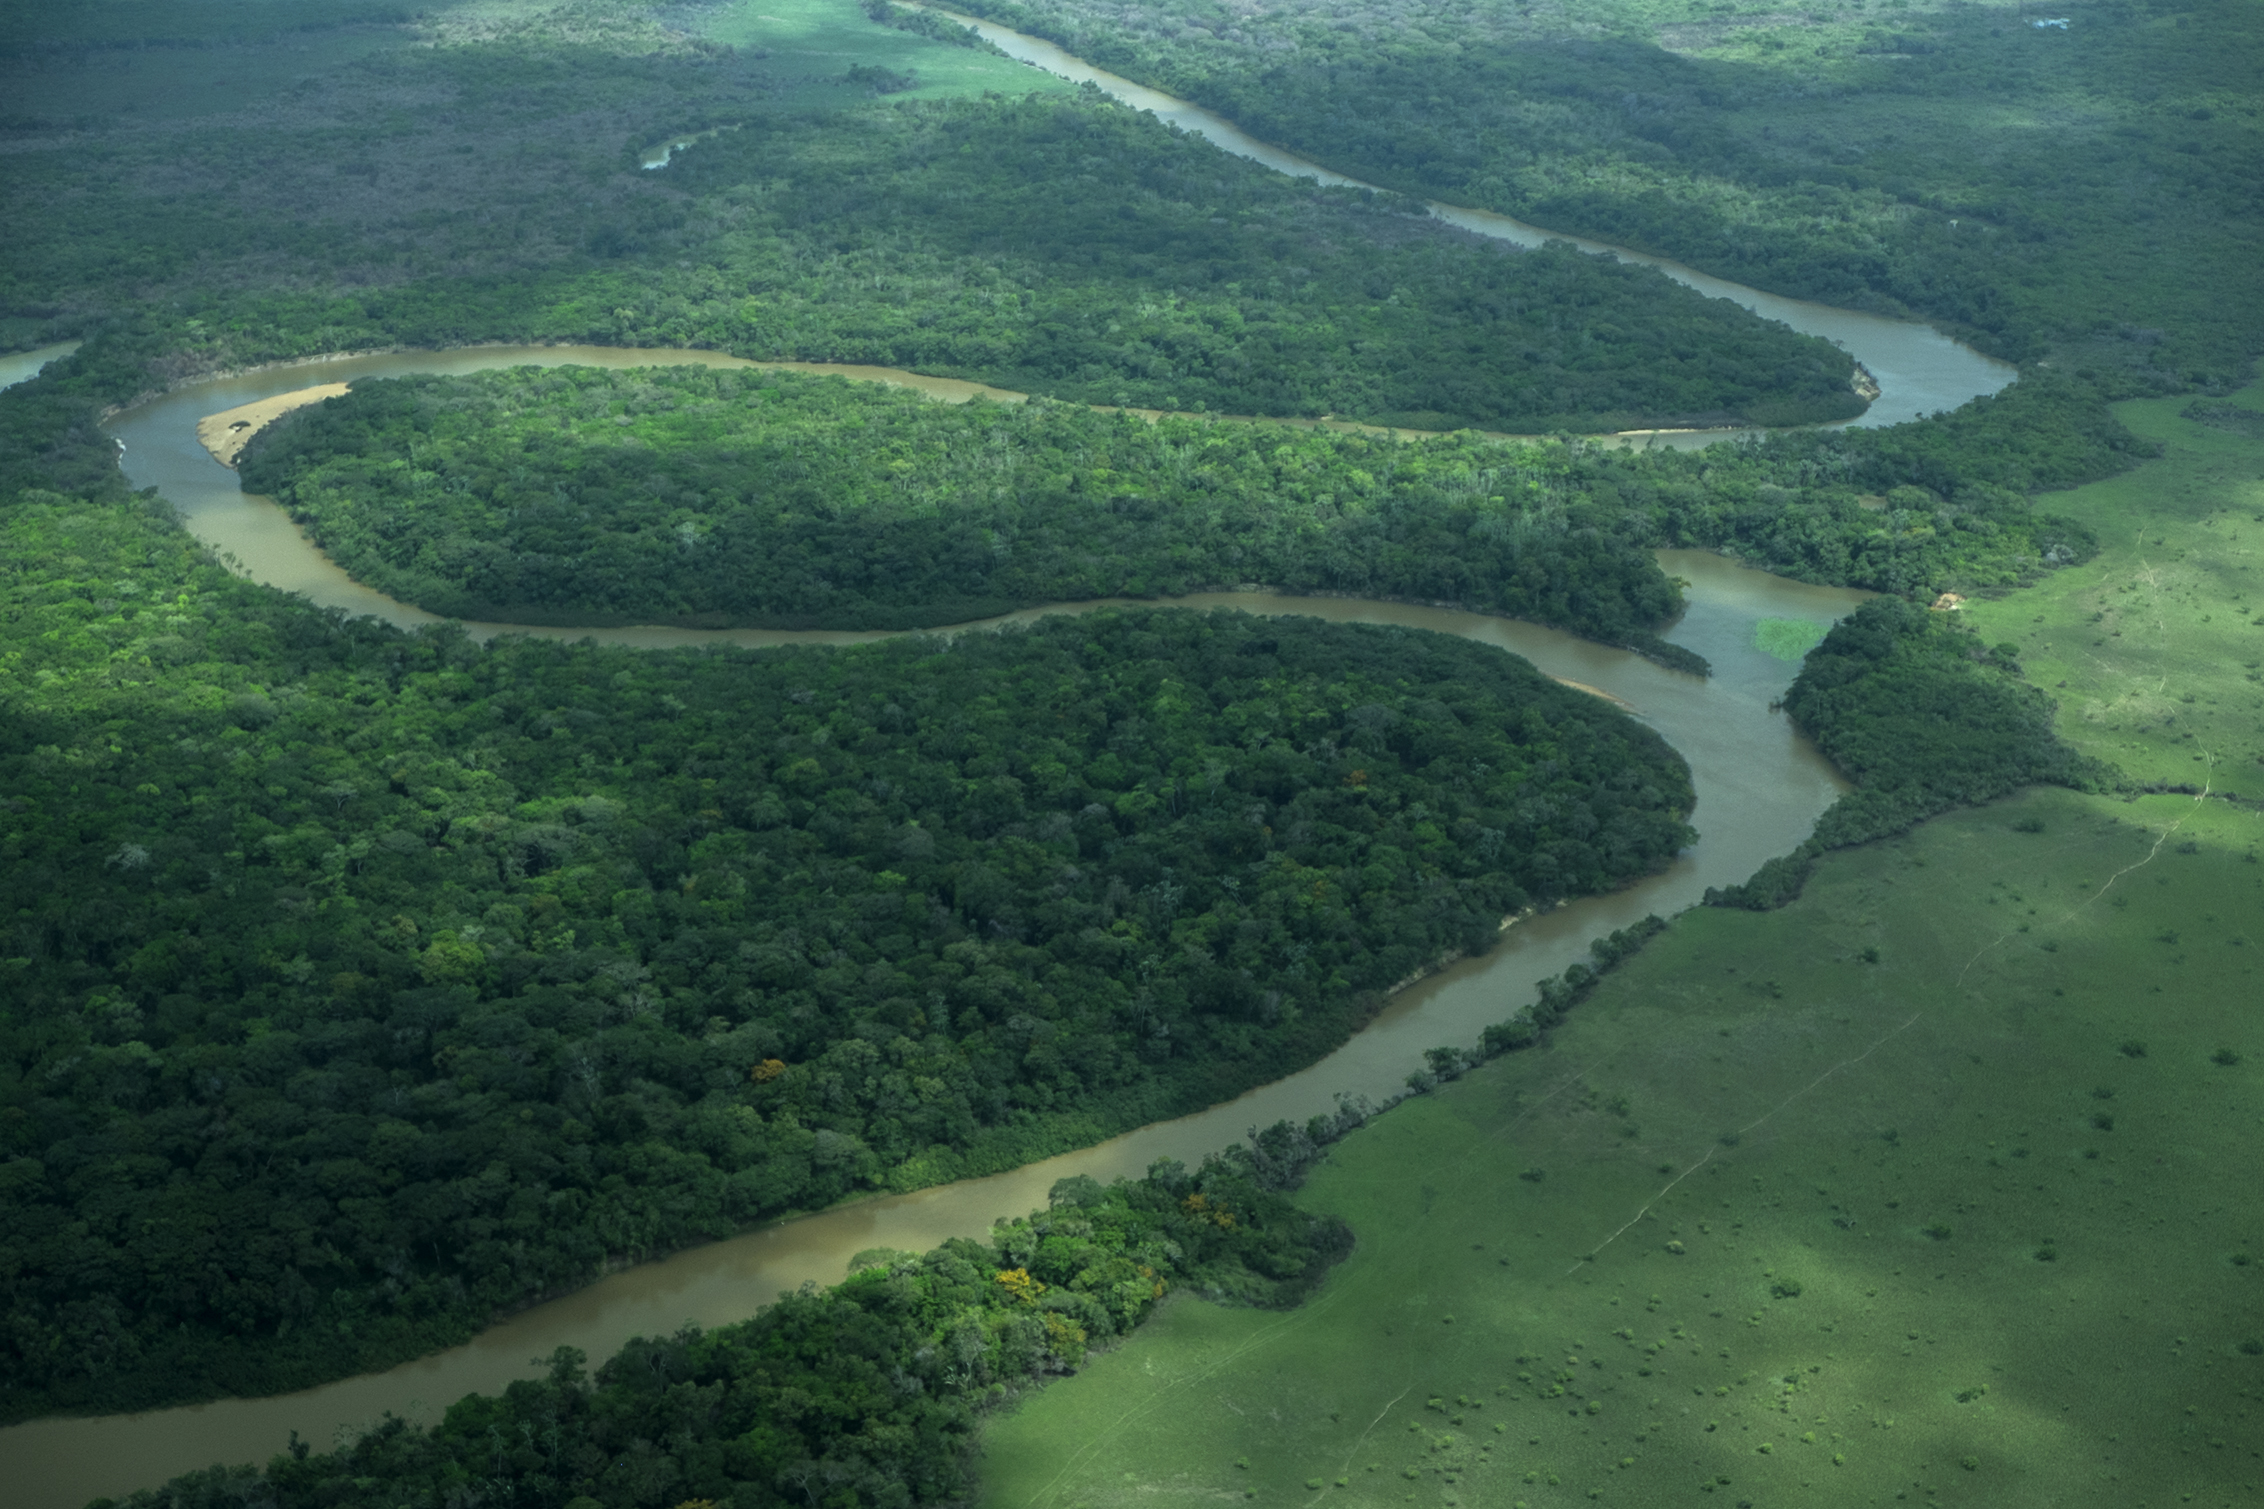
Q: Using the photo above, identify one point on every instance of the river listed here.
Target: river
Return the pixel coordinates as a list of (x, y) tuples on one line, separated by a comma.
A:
[(23, 366), (1760, 788), (1918, 369)]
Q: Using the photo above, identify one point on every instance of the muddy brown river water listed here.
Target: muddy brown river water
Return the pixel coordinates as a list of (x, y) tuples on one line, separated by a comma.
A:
[(1760, 788)]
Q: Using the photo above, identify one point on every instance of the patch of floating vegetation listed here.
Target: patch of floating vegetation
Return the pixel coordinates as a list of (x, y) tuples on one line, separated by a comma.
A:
[(1787, 638)]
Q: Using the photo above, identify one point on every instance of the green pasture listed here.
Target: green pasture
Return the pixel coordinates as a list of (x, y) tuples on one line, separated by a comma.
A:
[(2156, 648), (812, 44), (1936, 1186), (84, 63)]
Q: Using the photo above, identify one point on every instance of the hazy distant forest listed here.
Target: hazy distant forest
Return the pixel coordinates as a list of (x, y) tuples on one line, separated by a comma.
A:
[(357, 985)]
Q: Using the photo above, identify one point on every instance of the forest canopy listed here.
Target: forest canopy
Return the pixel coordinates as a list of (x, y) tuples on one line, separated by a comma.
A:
[(360, 985), (1062, 245), (777, 499), (869, 1391), (365, 984), (1856, 157)]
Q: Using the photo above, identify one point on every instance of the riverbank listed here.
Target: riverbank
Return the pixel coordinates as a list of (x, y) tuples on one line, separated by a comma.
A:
[(1927, 1181), (1901, 359), (226, 433), (1759, 790), (1776, 795)]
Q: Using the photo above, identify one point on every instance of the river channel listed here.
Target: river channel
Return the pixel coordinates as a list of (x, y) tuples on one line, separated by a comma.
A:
[(1760, 787), (1918, 369)]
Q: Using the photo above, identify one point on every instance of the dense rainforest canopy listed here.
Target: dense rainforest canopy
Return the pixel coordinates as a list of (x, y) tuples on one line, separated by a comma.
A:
[(775, 499), (867, 1393), (1869, 159), (1062, 245), (781, 500), (363, 983)]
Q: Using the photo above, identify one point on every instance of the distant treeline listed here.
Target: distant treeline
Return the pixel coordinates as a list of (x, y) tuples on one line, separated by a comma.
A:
[(1709, 139), (1059, 244)]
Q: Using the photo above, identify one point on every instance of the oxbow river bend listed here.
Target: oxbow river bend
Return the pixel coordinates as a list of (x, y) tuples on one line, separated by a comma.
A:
[(1760, 788)]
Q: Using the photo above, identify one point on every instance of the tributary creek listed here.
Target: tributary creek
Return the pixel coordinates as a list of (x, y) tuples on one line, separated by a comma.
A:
[(1760, 788)]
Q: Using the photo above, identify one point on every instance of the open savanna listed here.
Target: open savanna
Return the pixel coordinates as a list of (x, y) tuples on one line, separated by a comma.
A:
[(2155, 648), (812, 45), (1934, 1185)]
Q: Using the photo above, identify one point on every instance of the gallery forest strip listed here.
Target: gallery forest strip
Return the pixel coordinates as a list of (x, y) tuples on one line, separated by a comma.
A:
[(868, 1393), (712, 499)]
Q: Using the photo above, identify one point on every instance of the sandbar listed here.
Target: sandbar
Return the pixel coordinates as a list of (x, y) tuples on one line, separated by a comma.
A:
[(1593, 691), (224, 433)]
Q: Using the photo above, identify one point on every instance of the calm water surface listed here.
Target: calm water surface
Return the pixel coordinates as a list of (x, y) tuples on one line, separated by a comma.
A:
[(1760, 787), (23, 366)]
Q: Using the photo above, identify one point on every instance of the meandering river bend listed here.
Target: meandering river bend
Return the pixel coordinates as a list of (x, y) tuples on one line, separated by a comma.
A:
[(1918, 369), (1760, 788)]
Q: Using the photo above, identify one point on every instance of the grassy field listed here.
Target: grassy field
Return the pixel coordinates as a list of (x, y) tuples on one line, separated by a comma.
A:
[(1967, 1220), (127, 62), (2156, 648), (812, 45), (1963, 1221)]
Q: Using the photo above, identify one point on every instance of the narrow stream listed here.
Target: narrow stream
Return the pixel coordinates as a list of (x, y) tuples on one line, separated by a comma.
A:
[(23, 366)]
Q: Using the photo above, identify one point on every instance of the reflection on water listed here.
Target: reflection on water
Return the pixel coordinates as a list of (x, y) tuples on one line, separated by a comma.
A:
[(1759, 785)]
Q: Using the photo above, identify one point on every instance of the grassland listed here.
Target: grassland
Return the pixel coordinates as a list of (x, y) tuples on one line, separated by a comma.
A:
[(813, 45), (1968, 1220), (1928, 1186), (2156, 647)]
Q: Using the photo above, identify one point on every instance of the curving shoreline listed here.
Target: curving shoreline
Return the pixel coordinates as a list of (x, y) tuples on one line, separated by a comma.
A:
[(1760, 788), (1916, 369)]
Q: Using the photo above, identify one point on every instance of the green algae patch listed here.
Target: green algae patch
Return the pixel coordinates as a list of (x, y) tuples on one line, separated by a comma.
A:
[(1787, 638), (1745, 1297)]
